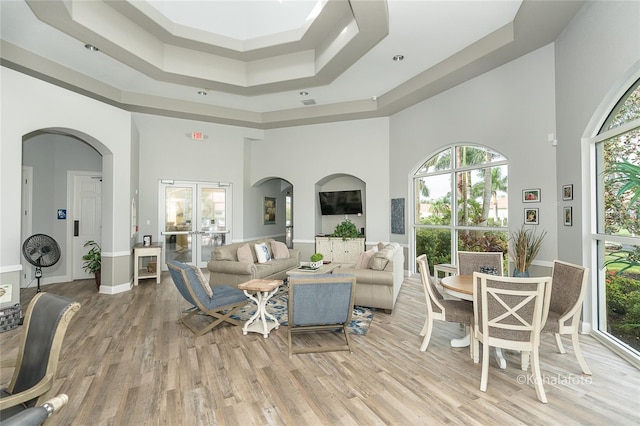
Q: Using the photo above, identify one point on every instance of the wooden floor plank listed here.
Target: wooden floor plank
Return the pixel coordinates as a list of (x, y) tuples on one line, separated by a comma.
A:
[(126, 361)]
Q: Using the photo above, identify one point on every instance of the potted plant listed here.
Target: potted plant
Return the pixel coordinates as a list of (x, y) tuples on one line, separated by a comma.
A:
[(316, 260), (525, 247), (93, 260), (346, 229)]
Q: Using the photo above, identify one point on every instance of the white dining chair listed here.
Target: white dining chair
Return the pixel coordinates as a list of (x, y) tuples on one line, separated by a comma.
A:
[(509, 313), (469, 262), (439, 308)]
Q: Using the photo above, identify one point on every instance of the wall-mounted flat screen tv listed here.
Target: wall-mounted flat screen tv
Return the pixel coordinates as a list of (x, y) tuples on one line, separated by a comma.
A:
[(341, 202)]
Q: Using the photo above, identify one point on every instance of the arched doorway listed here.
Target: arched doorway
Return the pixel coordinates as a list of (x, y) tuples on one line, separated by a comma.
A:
[(62, 198)]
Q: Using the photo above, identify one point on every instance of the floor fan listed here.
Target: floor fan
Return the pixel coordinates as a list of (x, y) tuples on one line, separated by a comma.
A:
[(41, 251)]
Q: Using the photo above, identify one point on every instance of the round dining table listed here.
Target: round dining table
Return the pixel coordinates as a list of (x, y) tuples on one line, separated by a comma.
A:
[(461, 286)]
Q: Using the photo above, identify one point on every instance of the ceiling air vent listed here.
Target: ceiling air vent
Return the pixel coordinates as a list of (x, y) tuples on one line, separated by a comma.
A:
[(309, 102)]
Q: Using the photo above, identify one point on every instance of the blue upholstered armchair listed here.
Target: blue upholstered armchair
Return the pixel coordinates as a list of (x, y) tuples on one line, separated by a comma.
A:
[(320, 302), (218, 302)]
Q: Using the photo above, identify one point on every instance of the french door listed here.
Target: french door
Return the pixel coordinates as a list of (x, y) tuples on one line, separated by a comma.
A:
[(194, 218)]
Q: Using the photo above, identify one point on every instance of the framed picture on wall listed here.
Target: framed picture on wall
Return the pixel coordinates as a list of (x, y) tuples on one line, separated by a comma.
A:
[(568, 216), (567, 192), (269, 211), (397, 215), (531, 195), (531, 216)]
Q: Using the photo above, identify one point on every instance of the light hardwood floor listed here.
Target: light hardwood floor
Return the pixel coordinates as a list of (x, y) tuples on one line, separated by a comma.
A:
[(125, 361)]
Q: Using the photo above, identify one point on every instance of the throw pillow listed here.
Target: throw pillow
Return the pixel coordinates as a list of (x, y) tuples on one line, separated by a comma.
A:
[(244, 254), (379, 261), (204, 282), (280, 250), (224, 253), (380, 245), (387, 252), (365, 259), (262, 253)]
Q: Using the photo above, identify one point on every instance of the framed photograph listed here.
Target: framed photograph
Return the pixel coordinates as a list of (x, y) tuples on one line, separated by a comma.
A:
[(568, 216), (567, 193), (269, 211), (146, 241), (62, 214), (531, 195), (531, 216)]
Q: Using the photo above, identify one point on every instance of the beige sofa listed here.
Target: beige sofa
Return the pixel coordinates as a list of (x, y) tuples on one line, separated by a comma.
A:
[(377, 288), (225, 269)]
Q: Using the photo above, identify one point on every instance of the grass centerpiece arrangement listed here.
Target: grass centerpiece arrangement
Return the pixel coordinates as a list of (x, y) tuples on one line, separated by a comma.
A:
[(316, 260), (525, 245)]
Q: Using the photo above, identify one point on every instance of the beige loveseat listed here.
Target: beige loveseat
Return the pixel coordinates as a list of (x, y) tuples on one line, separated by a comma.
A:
[(226, 269), (379, 275)]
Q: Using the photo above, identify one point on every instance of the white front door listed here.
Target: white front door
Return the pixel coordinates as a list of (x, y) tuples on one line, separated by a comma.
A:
[(85, 219), (194, 218)]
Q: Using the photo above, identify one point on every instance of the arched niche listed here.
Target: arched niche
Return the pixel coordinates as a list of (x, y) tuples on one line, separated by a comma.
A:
[(272, 188), (325, 224)]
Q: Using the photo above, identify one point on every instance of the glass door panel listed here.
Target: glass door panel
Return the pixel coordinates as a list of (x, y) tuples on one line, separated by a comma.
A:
[(213, 224), (178, 222), (195, 220)]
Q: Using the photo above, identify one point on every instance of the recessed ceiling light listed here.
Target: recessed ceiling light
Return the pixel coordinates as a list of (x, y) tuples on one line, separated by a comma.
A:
[(398, 58), (202, 92), (303, 93), (91, 48)]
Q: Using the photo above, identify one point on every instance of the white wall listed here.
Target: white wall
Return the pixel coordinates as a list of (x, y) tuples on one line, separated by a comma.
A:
[(27, 105), (305, 155), (510, 110), (597, 60), (168, 152)]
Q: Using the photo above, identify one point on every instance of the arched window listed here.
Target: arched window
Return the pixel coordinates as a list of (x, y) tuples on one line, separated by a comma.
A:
[(461, 196), (617, 226)]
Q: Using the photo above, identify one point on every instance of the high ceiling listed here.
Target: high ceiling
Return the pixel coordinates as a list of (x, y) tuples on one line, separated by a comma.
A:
[(271, 63)]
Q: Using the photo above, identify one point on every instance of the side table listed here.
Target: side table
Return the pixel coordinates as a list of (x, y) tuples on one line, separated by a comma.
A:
[(139, 250), (264, 290)]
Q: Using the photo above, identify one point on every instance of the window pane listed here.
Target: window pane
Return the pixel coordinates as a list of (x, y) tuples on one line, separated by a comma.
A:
[(618, 208), (482, 197), (438, 162), (627, 110), (435, 243), (434, 200), (213, 208), (618, 195), (288, 216), (470, 183), (622, 272), (475, 156), (478, 240), (179, 208)]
